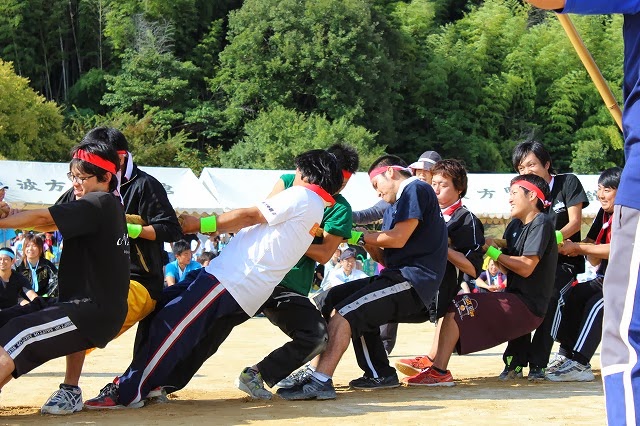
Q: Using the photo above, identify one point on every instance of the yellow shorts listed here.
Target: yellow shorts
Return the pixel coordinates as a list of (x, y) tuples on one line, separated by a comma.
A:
[(139, 305)]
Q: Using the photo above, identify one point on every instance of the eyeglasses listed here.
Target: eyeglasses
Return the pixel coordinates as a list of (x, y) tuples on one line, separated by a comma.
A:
[(78, 179)]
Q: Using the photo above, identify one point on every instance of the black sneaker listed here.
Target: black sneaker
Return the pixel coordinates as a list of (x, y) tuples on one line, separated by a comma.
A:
[(511, 373), (536, 374), (312, 388), (367, 383)]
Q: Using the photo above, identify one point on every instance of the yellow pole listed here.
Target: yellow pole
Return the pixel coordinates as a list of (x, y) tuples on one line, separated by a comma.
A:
[(592, 68)]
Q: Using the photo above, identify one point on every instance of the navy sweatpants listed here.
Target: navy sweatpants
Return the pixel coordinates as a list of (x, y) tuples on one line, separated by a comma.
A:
[(173, 333)]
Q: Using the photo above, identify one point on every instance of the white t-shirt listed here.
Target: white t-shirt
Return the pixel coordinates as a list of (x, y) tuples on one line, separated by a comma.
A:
[(337, 277), (259, 257)]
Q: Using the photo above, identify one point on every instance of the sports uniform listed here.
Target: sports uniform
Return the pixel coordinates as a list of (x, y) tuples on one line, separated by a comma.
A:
[(405, 288), (565, 191), (227, 292), (94, 280), (466, 233), (580, 331)]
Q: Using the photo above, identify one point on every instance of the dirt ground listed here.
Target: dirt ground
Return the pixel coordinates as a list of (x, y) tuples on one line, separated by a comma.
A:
[(211, 397)]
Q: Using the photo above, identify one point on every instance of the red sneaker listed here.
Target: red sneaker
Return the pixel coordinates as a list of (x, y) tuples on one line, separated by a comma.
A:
[(412, 366), (108, 400), (430, 377)]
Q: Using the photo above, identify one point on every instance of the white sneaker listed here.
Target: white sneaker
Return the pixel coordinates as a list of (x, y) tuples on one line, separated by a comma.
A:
[(66, 400), (571, 371), (555, 362)]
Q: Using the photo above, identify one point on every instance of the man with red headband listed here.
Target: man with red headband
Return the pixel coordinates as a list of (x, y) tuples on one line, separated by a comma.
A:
[(144, 196), (93, 275), (413, 248), (289, 307), (479, 321)]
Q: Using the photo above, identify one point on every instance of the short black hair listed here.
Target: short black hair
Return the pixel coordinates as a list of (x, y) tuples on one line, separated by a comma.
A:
[(527, 147), (180, 246), (610, 178), (110, 136), (102, 150), (346, 156), (319, 167), (537, 181), (454, 170), (390, 160)]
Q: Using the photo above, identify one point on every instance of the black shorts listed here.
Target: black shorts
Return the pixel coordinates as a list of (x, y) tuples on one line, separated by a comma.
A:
[(371, 302), (35, 338), (486, 320)]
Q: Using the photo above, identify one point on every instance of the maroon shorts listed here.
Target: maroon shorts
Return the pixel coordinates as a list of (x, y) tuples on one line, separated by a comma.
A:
[(486, 320)]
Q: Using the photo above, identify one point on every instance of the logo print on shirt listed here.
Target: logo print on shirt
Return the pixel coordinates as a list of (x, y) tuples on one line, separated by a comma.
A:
[(466, 307), (313, 229)]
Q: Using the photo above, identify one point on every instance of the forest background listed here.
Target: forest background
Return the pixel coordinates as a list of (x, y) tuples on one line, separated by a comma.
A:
[(250, 84)]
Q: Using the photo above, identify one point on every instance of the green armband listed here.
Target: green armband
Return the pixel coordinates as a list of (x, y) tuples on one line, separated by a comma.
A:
[(559, 237), (355, 236), (208, 224), (493, 253), (134, 230)]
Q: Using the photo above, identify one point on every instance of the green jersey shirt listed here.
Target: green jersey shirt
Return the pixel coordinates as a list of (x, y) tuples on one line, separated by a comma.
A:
[(336, 221)]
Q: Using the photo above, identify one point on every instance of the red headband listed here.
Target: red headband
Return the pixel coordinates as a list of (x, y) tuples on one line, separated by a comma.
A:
[(321, 192), (346, 174), (95, 160), (379, 170), (122, 152), (531, 187)]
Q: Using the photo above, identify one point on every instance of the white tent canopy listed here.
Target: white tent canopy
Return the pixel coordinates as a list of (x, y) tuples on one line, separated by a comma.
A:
[(487, 194), (34, 185)]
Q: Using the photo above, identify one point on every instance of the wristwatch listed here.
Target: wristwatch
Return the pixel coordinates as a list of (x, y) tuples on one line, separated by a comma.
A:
[(360, 241)]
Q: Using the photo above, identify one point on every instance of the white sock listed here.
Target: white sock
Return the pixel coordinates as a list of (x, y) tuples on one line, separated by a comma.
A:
[(322, 377)]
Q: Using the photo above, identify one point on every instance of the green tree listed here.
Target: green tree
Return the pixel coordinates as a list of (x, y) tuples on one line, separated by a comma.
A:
[(321, 56), (30, 126), (276, 136)]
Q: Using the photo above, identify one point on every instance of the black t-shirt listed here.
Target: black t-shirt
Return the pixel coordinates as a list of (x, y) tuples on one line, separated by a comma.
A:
[(423, 258), (94, 266), (596, 226), (11, 291), (536, 239), (467, 236), (567, 192)]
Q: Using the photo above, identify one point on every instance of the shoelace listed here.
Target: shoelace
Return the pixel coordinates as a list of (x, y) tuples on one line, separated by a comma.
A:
[(63, 396)]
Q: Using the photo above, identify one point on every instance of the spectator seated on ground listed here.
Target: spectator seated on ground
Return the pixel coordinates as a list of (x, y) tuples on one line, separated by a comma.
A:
[(491, 279), (176, 270)]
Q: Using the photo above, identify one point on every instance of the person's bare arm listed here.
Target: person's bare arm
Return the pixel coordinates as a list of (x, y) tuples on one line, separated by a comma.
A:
[(376, 253), (226, 222), (480, 283), (521, 265), (547, 4), (277, 188), (461, 262), (170, 280), (39, 219), (322, 252), (575, 218), (393, 238)]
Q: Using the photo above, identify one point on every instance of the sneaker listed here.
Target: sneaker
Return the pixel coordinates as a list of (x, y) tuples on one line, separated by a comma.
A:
[(66, 400), (312, 388), (555, 362), (157, 396), (571, 371), (367, 383), (295, 378), (107, 399), (250, 382), (511, 373), (536, 374), (413, 366), (430, 377)]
